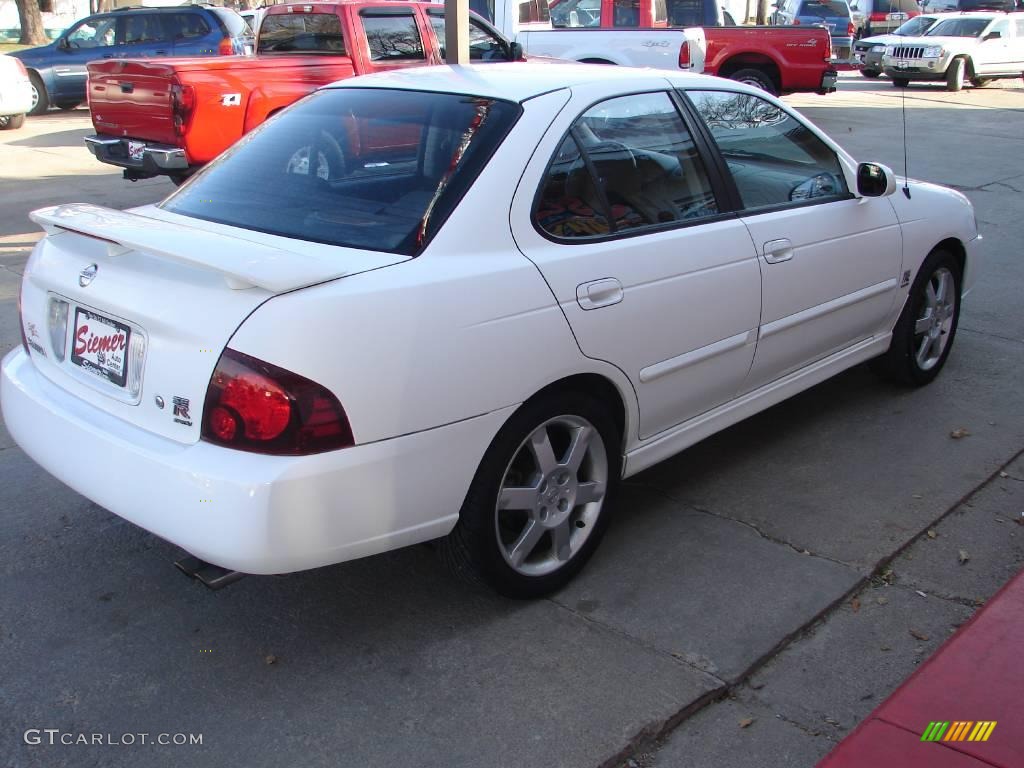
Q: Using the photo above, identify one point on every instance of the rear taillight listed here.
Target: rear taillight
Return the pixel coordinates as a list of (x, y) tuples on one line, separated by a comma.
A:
[(796, 22), (850, 28), (684, 55), (226, 47), (878, 17), (183, 101), (255, 406)]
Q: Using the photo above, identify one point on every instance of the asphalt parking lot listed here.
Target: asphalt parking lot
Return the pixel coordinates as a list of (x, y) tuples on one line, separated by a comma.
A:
[(758, 595)]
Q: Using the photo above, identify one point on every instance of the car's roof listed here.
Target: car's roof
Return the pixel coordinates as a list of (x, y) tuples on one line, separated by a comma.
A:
[(517, 81)]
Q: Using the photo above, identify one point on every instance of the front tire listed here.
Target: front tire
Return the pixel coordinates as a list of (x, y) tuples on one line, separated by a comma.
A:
[(756, 78), (900, 82), (10, 122), (40, 99), (871, 74), (924, 334), (955, 75), (538, 504)]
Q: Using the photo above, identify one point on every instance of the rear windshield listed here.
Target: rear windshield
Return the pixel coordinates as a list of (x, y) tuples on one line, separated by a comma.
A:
[(825, 9), (958, 28), (366, 168), (301, 33), (895, 6)]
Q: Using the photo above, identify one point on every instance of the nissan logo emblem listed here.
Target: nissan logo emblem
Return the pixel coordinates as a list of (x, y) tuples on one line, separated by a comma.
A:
[(86, 275)]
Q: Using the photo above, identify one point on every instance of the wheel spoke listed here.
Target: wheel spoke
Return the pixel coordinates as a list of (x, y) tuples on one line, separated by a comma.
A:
[(526, 542), (588, 492), (930, 297), (943, 288), (938, 341), (578, 449), (560, 541), (543, 453), (924, 324), (517, 498), (922, 351)]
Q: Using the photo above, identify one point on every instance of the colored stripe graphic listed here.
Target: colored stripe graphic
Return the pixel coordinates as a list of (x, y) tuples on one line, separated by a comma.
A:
[(958, 730)]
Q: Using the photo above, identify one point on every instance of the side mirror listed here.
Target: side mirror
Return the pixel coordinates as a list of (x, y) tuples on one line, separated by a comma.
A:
[(993, 36), (515, 52), (63, 44), (875, 180)]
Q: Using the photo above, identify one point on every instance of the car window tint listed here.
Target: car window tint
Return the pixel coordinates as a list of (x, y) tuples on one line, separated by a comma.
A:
[(577, 13), (825, 9), (773, 158), (660, 11), (569, 205), (370, 168), (235, 25), (143, 28), (484, 45), (186, 26), (626, 13), (307, 33), (685, 13), (646, 167), (392, 37), (96, 32)]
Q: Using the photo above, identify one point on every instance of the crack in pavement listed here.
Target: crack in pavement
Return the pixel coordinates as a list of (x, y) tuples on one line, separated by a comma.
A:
[(990, 334), (768, 537)]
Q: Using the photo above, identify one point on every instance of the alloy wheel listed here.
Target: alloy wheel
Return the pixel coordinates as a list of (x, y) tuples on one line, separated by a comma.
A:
[(932, 328), (551, 495)]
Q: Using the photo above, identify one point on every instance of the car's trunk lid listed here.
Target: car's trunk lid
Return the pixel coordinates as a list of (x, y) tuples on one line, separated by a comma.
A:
[(152, 298)]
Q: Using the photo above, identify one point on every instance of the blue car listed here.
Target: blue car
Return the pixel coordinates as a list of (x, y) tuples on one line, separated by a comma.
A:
[(834, 14), (58, 72)]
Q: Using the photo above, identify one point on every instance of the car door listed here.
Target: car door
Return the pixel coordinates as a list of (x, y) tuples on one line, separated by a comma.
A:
[(625, 220), (830, 261), (90, 39), (994, 53)]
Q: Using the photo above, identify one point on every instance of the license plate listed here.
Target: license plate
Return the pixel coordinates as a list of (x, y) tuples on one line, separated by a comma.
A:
[(100, 346), (902, 64), (136, 149), (897, 17)]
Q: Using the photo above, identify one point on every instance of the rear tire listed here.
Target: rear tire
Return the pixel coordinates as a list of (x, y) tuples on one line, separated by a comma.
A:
[(871, 74), (900, 82), (757, 78), (11, 122), (923, 336), (531, 520), (955, 75), (980, 82), (67, 106), (40, 98)]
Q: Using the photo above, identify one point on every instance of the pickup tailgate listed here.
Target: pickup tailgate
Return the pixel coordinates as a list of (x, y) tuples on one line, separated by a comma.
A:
[(132, 98), (130, 310)]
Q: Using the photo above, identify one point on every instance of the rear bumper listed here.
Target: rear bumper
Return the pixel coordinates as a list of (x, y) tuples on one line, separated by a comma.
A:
[(828, 81), (243, 511), (15, 100), (155, 159)]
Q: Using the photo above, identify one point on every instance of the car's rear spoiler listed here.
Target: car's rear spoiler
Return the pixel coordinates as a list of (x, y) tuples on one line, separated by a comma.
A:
[(243, 263)]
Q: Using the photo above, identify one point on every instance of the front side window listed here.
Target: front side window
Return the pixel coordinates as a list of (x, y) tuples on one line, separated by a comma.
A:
[(372, 168), (392, 37), (629, 163), (96, 32), (188, 26), (773, 158), (484, 44)]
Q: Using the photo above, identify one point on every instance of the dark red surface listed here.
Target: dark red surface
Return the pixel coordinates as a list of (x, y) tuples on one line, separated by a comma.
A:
[(978, 674)]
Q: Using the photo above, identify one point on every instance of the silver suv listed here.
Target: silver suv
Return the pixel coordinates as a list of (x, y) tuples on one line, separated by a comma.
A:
[(978, 47)]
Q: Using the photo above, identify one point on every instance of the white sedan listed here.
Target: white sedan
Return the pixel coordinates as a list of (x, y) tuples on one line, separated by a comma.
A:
[(15, 93), (462, 304)]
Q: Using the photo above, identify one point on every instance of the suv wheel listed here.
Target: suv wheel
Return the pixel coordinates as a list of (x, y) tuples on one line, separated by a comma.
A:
[(955, 75)]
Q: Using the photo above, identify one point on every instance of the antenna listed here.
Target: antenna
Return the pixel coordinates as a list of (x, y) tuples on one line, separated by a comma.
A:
[(906, 173)]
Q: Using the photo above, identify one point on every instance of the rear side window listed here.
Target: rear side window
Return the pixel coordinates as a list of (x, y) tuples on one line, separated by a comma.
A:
[(773, 158), (685, 13), (188, 26), (576, 13), (233, 23), (660, 11), (629, 163), (305, 32), (144, 28), (377, 169), (392, 37)]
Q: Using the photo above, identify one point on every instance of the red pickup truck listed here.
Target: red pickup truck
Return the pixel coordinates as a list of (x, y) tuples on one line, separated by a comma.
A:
[(171, 116)]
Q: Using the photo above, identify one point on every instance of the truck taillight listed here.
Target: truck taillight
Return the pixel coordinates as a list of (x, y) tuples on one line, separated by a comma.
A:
[(226, 47), (850, 30), (254, 406), (183, 101), (796, 22), (684, 55)]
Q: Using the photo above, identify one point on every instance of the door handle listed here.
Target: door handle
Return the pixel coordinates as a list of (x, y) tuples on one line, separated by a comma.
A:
[(776, 251), (599, 293), (161, 53)]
